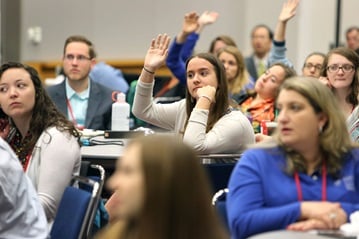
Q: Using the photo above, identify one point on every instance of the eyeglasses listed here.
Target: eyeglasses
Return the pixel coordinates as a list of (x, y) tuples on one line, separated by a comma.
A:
[(335, 68), (309, 66), (81, 58)]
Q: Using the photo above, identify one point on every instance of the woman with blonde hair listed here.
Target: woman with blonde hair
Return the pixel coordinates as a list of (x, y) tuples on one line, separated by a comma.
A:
[(153, 199), (238, 78), (311, 163)]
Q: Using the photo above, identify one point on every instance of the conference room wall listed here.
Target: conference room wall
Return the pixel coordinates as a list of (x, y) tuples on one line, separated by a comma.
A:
[(122, 29)]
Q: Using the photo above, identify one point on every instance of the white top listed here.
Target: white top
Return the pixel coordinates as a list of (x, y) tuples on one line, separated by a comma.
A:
[(21, 214), (230, 134), (55, 158)]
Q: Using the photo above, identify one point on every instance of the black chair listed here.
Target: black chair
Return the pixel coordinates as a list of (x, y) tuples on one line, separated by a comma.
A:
[(219, 201), (75, 210)]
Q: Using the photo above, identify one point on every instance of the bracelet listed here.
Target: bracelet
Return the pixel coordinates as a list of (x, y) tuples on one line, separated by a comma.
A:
[(207, 97), (148, 71)]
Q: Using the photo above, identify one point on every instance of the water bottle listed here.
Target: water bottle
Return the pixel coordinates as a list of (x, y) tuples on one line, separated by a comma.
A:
[(120, 120)]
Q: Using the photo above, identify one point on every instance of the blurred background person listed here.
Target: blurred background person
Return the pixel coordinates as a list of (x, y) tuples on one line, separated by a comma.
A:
[(352, 37), (261, 40)]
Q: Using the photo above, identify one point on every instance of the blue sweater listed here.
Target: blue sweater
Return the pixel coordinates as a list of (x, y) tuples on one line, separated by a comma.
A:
[(262, 197), (178, 55)]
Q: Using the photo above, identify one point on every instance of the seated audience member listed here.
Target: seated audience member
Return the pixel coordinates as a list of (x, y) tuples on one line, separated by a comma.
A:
[(21, 214), (352, 37), (46, 143), (340, 73), (306, 177), (182, 47), (259, 105), (109, 76), (313, 63), (151, 197), (86, 103), (204, 118), (239, 81), (261, 39)]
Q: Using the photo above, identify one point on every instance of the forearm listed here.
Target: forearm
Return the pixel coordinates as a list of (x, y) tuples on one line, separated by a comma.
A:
[(280, 30)]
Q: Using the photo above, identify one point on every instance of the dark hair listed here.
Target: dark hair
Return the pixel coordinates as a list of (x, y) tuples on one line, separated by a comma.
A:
[(77, 38), (315, 53), (44, 114), (353, 57), (270, 32), (226, 39), (175, 206), (350, 29), (222, 100)]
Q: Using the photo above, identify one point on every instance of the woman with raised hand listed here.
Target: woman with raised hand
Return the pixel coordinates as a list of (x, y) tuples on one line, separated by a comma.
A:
[(306, 177), (204, 118)]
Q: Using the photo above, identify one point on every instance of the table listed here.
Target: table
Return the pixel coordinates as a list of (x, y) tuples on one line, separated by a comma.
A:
[(218, 166), (284, 234)]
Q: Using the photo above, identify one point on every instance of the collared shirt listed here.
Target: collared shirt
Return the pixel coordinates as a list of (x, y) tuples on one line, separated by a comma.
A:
[(77, 104), (21, 214)]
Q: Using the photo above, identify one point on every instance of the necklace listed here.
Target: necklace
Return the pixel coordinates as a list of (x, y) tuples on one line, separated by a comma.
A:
[(21, 147)]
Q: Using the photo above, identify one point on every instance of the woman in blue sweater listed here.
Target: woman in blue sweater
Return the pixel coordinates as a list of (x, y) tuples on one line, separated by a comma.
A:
[(307, 177)]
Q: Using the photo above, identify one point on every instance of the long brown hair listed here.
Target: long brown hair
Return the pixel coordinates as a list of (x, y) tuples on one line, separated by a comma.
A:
[(44, 114), (221, 105), (177, 196)]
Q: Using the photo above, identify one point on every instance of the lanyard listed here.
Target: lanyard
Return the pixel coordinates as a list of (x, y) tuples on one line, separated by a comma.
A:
[(72, 115), (324, 184), (26, 163)]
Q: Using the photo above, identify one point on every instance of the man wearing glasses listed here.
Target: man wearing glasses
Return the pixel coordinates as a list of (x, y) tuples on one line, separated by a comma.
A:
[(85, 102)]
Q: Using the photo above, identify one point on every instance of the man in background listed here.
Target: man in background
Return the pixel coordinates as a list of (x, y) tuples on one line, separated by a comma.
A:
[(85, 102), (352, 38), (261, 39)]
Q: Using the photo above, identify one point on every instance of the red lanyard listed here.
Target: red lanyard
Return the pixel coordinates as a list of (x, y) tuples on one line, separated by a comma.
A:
[(72, 115), (324, 184), (26, 163)]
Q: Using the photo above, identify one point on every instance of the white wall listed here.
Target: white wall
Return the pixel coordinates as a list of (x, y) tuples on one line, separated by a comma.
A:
[(123, 29)]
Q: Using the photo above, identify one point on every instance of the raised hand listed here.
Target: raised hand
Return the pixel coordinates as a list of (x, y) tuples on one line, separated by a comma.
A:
[(157, 53), (288, 10), (190, 23), (207, 17)]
